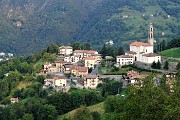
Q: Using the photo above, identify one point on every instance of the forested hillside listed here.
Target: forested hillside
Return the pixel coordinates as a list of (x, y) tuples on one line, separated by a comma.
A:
[(30, 25)]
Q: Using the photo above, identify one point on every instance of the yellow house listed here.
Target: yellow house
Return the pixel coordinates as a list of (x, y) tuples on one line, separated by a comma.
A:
[(90, 62), (60, 81), (79, 71)]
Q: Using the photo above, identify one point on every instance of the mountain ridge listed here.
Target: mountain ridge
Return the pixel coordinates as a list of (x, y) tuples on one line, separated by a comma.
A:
[(27, 26)]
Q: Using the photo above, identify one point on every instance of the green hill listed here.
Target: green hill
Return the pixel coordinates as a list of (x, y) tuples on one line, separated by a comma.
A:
[(98, 108), (28, 26), (174, 52)]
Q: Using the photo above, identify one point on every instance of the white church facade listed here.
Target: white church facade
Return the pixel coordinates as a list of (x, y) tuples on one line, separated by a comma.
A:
[(144, 52)]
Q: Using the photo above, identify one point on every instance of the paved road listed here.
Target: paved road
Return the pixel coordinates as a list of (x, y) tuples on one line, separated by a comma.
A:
[(96, 69)]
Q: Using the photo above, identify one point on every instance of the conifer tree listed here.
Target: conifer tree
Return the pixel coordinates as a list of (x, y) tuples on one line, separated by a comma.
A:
[(166, 65)]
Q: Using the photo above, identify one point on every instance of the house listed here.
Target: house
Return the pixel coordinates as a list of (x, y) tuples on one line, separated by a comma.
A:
[(150, 58), (75, 58), (79, 70), (124, 60), (170, 80), (144, 52), (90, 62), (91, 53), (132, 74), (60, 81), (85, 53), (67, 68), (108, 57), (91, 81), (48, 83), (59, 65), (65, 50), (98, 57), (14, 100), (81, 53)]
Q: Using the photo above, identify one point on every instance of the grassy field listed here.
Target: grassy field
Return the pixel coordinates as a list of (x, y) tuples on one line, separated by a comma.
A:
[(93, 108), (174, 52)]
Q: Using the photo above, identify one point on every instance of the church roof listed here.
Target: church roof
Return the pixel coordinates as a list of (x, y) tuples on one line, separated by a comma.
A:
[(151, 55), (124, 56), (140, 44)]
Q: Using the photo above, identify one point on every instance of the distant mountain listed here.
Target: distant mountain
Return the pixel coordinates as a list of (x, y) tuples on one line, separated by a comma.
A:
[(30, 25)]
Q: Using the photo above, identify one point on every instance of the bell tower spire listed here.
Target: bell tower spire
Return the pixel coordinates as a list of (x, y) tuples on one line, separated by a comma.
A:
[(151, 34)]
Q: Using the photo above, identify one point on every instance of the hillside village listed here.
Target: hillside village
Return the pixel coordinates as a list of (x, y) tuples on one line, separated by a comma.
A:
[(62, 78), (81, 66)]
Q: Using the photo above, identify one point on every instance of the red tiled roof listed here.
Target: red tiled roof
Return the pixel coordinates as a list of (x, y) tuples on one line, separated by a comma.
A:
[(151, 55), (140, 44), (79, 51), (91, 76), (65, 47), (80, 68), (124, 56), (91, 51), (89, 58), (59, 77)]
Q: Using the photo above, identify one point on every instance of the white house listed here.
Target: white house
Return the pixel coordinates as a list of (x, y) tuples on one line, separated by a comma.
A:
[(124, 60), (150, 58), (90, 62), (65, 50), (60, 81), (91, 81)]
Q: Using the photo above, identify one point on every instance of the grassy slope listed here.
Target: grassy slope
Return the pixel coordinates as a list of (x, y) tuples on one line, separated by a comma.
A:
[(174, 52), (98, 107)]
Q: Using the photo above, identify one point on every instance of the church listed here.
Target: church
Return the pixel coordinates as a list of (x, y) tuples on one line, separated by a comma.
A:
[(142, 51)]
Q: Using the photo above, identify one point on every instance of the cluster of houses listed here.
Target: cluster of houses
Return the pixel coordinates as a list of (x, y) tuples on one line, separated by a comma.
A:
[(135, 79), (75, 63), (5, 56)]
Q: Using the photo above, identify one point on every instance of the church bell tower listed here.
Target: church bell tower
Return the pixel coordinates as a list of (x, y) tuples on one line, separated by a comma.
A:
[(151, 34)]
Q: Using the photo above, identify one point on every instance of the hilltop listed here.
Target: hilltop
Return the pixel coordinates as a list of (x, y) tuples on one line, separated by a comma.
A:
[(27, 26)]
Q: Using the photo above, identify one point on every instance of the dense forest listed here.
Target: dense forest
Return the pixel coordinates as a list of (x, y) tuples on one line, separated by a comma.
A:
[(27, 26)]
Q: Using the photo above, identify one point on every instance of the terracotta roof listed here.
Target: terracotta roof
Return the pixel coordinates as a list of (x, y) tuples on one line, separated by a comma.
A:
[(59, 77), (124, 56), (65, 47), (79, 68), (131, 52), (108, 57), (79, 51), (151, 55), (91, 51), (85, 51), (68, 65), (14, 99), (89, 58), (140, 44), (91, 76)]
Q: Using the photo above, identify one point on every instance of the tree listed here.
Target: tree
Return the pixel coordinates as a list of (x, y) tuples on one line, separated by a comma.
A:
[(120, 51), (86, 46), (53, 48), (166, 65), (178, 66), (103, 51), (158, 65), (40, 78), (82, 113), (28, 117), (153, 65)]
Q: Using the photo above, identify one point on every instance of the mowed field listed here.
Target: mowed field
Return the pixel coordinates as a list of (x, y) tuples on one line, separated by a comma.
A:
[(174, 52)]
